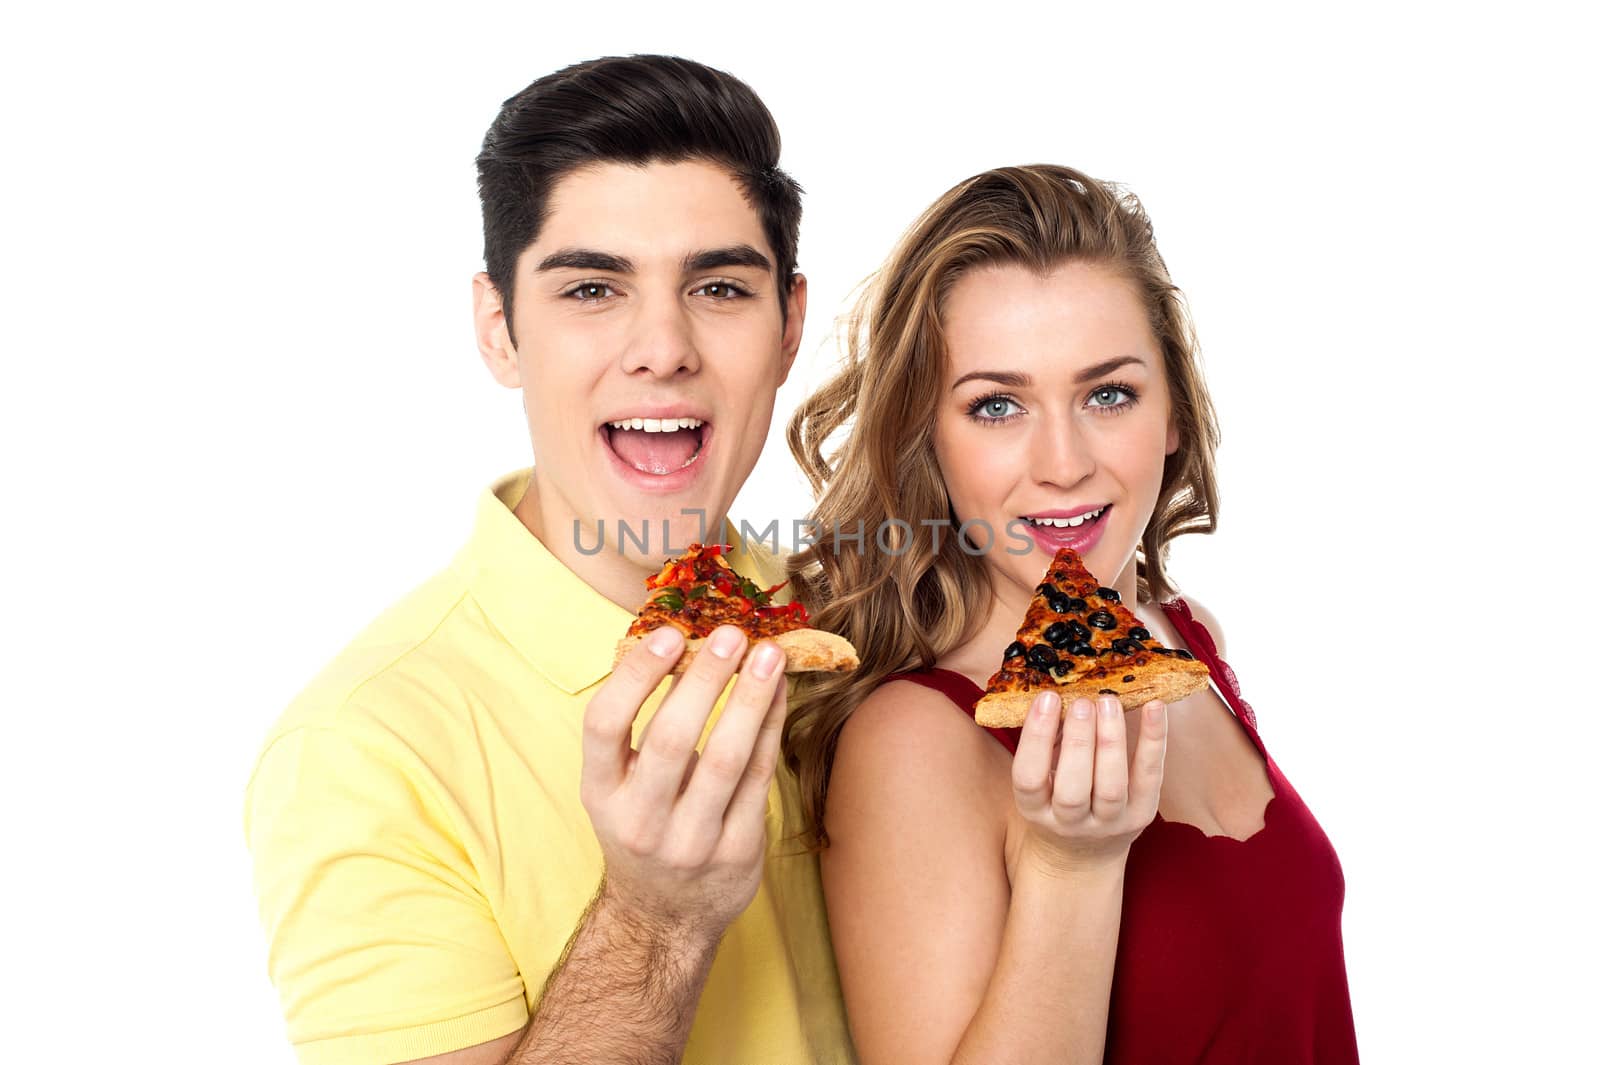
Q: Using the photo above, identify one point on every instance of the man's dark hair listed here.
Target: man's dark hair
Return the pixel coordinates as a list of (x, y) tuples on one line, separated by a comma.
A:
[(636, 110)]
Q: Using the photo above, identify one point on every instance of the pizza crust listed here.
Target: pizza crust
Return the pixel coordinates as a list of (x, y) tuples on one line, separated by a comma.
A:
[(806, 651), (1168, 680)]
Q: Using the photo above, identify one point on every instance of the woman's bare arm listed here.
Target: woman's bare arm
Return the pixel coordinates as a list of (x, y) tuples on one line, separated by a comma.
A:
[(944, 957)]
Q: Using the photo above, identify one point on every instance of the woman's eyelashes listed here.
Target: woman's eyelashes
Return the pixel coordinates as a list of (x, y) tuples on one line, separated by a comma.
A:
[(1104, 398), (997, 408), (994, 408)]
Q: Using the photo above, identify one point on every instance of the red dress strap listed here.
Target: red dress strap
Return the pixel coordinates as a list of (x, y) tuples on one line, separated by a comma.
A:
[(1204, 647)]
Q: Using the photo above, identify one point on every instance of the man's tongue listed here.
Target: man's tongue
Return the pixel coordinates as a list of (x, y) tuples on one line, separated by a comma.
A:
[(658, 453)]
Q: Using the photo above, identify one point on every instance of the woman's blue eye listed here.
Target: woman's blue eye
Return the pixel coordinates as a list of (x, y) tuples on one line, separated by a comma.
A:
[(994, 408), (1107, 397)]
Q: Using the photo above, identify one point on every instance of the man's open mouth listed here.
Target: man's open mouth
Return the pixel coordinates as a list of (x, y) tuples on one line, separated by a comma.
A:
[(657, 446)]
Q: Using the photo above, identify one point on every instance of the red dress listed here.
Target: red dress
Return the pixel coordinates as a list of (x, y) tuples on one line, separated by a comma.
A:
[(1230, 951)]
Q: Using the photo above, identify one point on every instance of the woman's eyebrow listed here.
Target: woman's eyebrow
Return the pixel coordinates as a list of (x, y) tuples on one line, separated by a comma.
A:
[(1013, 379), (1089, 373), (1009, 378)]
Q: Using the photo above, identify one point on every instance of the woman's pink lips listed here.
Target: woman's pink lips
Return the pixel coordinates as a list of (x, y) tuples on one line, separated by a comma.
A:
[(1051, 539), (643, 480)]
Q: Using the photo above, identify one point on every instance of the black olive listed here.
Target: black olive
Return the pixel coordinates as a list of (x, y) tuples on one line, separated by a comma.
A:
[(1083, 649), (1076, 605), (1181, 653), (1127, 647), (1058, 635), (1160, 650), (1139, 633), (1041, 657), (1056, 600), (1102, 620), (1110, 595), (1128, 679), (1108, 691), (1016, 650)]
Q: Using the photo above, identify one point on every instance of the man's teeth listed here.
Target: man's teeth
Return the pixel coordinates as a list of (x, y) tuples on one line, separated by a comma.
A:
[(1067, 523), (657, 425)]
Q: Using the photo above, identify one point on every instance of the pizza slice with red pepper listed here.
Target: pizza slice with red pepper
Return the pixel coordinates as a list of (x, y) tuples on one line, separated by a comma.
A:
[(699, 590), (1078, 640)]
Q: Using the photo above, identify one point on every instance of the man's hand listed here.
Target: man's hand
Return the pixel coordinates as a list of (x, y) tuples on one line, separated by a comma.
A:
[(684, 836)]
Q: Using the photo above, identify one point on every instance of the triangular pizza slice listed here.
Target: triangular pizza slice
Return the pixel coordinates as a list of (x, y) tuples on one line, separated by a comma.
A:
[(699, 590), (1080, 641)]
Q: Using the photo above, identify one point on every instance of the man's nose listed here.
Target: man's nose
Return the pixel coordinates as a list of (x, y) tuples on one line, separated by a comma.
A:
[(661, 340)]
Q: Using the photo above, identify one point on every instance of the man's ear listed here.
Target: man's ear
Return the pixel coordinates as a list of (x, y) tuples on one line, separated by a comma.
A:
[(494, 338), (794, 325)]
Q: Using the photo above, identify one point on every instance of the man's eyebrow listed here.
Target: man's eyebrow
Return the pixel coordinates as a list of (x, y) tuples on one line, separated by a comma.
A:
[(1013, 379), (733, 255), (586, 259)]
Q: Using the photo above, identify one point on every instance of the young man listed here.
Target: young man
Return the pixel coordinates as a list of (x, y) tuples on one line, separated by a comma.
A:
[(476, 842)]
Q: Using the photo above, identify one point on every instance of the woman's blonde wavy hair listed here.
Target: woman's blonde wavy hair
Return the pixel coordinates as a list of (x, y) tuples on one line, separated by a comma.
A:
[(905, 607)]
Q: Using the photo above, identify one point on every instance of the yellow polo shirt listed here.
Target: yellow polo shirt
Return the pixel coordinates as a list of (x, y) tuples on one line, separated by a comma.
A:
[(421, 854)]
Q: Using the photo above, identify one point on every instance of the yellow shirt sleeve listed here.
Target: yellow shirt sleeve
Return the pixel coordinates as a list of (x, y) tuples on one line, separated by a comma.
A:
[(381, 943)]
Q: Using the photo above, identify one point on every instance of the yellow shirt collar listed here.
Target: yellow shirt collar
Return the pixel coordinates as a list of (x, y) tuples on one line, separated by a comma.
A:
[(564, 628)]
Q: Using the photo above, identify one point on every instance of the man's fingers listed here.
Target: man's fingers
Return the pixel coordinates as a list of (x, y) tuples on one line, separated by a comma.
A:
[(1110, 759), (608, 719), (688, 772), (1030, 767), (1075, 764), (681, 718), (735, 742), (745, 822)]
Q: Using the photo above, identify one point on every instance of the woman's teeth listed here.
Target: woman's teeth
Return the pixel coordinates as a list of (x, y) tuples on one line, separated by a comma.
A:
[(1066, 523), (657, 425)]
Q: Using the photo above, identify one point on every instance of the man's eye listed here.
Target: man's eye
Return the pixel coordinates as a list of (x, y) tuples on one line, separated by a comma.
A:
[(721, 290), (590, 290)]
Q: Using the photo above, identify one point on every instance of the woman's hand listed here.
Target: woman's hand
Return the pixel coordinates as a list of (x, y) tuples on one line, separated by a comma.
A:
[(1082, 799)]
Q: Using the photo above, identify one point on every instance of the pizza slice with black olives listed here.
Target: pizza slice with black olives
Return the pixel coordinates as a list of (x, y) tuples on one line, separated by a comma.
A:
[(1078, 640), (699, 590)]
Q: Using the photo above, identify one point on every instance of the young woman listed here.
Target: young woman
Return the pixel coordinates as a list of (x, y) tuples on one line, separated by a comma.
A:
[(1139, 887)]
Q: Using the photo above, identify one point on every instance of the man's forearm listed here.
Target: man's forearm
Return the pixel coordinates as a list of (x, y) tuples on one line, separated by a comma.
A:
[(625, 990)]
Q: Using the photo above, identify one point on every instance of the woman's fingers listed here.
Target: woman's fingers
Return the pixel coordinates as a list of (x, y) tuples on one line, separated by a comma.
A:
[(1030, 767), (1149, 760), (1095, 789), (1075, 774), (1110, 759)]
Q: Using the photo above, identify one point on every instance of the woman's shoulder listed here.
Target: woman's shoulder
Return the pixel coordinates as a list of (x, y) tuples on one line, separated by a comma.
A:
[(905, 730), (909, 752), (905, 714)]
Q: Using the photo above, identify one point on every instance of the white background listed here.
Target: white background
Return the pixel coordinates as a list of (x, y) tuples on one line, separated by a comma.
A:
[(242, 412)]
